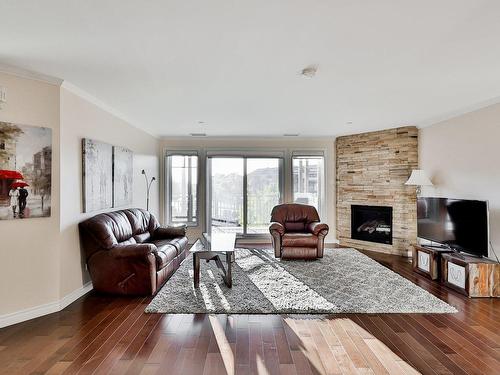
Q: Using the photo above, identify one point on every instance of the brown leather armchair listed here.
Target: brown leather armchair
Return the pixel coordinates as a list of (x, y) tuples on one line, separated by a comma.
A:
[(297, 232), (127, 252)]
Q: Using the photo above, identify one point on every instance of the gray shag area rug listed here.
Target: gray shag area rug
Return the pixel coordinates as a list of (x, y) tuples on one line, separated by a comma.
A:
[(344, 281)]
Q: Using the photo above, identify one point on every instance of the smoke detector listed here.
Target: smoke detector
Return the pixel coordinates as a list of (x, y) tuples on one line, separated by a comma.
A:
[(309, 71)]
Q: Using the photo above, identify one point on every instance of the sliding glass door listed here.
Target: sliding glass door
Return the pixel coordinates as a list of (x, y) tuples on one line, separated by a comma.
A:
[(242, 192), (262, 191), (226, 190)]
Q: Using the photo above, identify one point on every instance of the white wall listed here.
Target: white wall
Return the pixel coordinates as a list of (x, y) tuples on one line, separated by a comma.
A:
[(80, 118), (462, 156), (40, 260), (266, 144), (29, 251)]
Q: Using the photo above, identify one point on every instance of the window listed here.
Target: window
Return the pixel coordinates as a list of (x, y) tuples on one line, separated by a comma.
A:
[(243, 191), (182, 185), (308, 180)]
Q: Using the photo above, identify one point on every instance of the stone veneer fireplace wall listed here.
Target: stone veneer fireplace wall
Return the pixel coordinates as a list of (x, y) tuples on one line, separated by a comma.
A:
[(371, 170)]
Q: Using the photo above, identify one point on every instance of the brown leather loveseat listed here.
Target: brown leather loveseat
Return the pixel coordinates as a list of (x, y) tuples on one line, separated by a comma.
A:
[(127, 252), (297, 232)]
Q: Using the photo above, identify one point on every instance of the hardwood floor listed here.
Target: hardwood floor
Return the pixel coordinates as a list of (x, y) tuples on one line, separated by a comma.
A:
[(105, 335)]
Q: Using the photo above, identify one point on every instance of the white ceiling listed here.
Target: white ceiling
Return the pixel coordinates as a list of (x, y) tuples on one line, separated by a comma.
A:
[(235, 64)]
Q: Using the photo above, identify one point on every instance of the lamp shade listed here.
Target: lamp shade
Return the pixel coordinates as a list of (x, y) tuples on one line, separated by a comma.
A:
[(418, 178)]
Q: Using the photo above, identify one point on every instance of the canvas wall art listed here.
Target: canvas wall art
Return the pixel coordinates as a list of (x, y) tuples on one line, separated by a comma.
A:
[(97, 175), (123, 169), (25, 171)]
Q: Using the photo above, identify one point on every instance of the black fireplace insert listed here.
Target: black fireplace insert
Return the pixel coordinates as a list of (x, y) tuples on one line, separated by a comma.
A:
[(371, 223)]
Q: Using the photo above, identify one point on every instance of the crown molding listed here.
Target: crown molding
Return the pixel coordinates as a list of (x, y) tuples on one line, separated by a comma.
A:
[(459, 112), (93, 100), (100, 104), (26, 73)]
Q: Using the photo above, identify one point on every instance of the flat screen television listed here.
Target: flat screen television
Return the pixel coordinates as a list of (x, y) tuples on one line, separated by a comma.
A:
[(457, 223)]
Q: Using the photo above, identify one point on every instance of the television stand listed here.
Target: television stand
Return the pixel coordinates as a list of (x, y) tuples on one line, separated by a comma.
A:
[(467, 274), (470, 275), (427, 260)]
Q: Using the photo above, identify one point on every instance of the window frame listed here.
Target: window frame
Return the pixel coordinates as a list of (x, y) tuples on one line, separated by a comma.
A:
[(322, 194), (168, 188)]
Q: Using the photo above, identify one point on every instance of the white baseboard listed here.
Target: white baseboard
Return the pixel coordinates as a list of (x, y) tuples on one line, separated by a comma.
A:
[(41, 310), (74, 295)]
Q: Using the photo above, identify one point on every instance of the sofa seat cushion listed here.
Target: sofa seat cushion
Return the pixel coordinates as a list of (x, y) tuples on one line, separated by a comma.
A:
[(299, 240), (142, 237), (164, 255), (179, 244)]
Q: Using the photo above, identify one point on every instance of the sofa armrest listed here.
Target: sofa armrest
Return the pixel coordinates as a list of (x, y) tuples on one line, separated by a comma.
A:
[(169, 232), (132, 251), (276, 227), (316, 227)]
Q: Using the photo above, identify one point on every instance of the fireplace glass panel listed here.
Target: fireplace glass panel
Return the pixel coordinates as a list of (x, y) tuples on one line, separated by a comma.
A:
[(371, 223)]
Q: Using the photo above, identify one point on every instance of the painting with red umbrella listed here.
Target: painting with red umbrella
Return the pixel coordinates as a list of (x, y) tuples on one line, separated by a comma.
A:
[(25, 171)]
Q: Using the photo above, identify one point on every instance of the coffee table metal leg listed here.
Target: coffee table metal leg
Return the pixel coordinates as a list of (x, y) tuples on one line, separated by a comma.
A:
[(196, 270), (225, 277), (220, 266)]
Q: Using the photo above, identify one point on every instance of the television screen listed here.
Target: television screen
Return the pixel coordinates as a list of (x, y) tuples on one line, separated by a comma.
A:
[(458, 223)]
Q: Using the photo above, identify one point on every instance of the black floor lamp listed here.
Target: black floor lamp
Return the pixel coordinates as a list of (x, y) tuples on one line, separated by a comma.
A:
[(148, 187)]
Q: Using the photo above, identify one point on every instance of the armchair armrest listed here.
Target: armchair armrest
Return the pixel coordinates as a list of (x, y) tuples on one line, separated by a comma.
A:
[(132, 251), (316, 227), (277, 227), (170, 232), (277, 230)]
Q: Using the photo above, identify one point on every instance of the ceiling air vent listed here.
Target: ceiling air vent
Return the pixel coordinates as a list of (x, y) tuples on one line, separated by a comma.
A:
[(198, 134)]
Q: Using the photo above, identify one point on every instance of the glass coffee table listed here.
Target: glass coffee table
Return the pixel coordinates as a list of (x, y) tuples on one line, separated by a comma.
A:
[(213, 247)]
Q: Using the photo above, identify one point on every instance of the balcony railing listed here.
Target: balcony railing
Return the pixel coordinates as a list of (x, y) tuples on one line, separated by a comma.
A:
[(227, 212)]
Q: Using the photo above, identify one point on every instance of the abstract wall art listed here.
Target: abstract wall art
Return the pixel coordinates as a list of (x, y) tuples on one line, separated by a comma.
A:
[(97, 175), (123, 169)]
